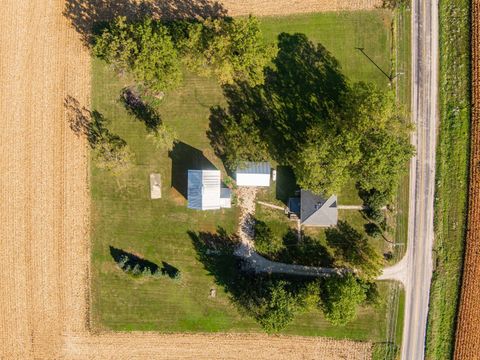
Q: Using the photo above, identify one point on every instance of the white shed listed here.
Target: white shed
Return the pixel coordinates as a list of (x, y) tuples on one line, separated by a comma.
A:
[(253, 174), (204, 189)]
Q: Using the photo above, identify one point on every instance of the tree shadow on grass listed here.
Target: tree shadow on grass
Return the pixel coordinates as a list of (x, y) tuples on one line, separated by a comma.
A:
[(140, 110), (253, 294), (91, 124), (304, 251), (185, 157), (353, 249), (304, 89), (136, 265), (86, 16), (128, 261), (286, 185)]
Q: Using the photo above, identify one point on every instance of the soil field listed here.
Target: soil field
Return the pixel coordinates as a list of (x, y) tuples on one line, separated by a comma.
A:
[(44, 221), (467, 344)]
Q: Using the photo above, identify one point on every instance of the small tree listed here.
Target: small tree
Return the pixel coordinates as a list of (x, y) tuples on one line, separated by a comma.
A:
[(278, 308), (113, 156), (341, 297), (163, 138), (265, 242)]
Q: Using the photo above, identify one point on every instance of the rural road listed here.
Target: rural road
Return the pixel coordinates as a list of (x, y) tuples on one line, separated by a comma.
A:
[(415, 270)]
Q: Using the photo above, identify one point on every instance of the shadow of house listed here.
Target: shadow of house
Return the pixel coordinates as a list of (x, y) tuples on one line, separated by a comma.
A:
[(285, 185), (87, 16), (185, 157), (128, 262)]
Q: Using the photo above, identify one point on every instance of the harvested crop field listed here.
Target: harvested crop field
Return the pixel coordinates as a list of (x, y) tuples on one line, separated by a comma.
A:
[(285, 7), (44, 231), (467, 345)]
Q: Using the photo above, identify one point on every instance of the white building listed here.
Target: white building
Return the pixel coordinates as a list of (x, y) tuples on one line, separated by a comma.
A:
[(204, 190), (253, 174)]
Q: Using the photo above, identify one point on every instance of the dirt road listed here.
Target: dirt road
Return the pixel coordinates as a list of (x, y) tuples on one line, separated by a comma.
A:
[(44, 217)]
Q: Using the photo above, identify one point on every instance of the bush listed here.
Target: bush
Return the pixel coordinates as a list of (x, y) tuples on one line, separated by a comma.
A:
[(265, 242), (373, 230)]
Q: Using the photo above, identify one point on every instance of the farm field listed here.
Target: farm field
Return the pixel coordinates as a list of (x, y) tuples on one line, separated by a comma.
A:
[(124, 217), (467, 340), (452, 177)]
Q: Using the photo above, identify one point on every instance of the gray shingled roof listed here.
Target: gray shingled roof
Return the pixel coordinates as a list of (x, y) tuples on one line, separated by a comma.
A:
[(317, 211)]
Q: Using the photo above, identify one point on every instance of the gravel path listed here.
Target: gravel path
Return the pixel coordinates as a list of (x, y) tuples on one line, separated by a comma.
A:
[(254, 261)]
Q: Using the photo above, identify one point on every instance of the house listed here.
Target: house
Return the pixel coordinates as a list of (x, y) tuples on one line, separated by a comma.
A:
[(314, 210), (205, 192), (253, 174)]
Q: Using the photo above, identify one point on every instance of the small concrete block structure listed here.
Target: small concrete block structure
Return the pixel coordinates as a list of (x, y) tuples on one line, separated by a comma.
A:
[(155, 186), (253, 174)]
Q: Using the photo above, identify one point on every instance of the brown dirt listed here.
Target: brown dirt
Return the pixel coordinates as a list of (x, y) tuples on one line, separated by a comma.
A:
[(44, 222), (467, 344)]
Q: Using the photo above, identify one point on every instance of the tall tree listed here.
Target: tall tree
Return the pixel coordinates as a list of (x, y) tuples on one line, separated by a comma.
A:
[(143, 48), (232, 49), (341, 297)]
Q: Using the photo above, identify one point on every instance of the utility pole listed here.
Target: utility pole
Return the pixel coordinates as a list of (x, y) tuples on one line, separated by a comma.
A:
[(389, 77)]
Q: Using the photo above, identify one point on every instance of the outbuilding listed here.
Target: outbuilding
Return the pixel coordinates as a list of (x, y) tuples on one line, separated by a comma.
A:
[(205, 192), (253, 174)]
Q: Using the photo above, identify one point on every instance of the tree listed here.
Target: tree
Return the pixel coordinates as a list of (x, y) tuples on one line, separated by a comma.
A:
[(163, 137), (385, 156), (323, 164), (341, 297), (232, 49), (265, 242), (116, 45), (235, 138), (144, 48), (353, 249), (277, 308), (113, 156)]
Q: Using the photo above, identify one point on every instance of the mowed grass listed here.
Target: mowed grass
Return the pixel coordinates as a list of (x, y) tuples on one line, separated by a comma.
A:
[(157, 230), (452, 176)]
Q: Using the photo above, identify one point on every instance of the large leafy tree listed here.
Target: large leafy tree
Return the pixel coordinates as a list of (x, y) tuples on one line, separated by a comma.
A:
[(143, 48), (353, 250), (236, 138), (231, 49), (341, 297), (327, 130)]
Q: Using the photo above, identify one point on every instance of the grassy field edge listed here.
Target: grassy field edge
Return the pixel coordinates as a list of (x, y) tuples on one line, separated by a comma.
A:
[(452, 176)]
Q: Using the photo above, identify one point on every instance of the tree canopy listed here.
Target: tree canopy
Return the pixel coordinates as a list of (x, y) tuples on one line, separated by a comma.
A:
[(143, 48), (341, 297), (308, 116), (231, 49)]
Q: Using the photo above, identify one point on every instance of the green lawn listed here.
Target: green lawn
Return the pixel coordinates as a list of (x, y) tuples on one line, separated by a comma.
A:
[(452, 176), (157, 230)]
